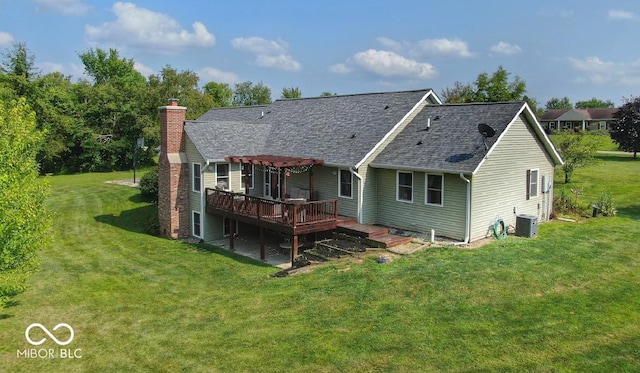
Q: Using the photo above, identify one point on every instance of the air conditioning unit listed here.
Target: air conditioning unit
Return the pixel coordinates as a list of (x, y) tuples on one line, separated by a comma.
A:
[(526, 226)]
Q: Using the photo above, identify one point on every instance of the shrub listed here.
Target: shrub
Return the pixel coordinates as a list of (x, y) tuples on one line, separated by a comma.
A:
[(567, 202), (605, 204), (149, 185)]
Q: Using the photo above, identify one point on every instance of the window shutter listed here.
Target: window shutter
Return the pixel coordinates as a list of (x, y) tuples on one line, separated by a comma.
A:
[(528, 184)]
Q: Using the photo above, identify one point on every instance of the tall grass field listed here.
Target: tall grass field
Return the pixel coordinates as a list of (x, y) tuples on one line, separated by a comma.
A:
[(565, 301)]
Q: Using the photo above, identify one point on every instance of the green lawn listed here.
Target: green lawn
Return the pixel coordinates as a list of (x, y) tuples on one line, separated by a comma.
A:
[(568, 300)]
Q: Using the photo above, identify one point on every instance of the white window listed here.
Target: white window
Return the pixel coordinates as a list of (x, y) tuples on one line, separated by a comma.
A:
[(532, 183), (404, 186), (435, 187), (602, 125), (222, 176), (247, 175), (346, 184), (195, 177), (196, 223)]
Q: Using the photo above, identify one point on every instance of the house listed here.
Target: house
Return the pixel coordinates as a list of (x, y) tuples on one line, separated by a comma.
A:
[(577, 119), (396, 159)]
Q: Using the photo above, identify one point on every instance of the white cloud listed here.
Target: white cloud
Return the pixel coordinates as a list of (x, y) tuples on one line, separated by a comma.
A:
[(74, 70), (67, 7), (6, 39), (429, 47), (211, 74), (340, 68), (390, 43), (141, 28), (455, 47), (50, 67), (386, 63), (621, 14), (269, 53), (505, 48), (281, 61), (259, 45), (607, 72), (142, 69)]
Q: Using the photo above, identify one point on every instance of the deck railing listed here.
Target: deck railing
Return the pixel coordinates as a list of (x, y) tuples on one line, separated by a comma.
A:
[(295, 213)]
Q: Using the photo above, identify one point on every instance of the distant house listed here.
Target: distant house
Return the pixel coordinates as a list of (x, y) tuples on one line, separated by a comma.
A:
[(577, 119), (395, 159)]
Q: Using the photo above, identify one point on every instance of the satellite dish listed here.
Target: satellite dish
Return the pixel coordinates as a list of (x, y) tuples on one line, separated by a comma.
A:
[(486, 130)]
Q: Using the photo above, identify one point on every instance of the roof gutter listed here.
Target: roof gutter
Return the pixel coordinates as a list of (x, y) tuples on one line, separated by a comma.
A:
[(467, 229), (203, 196), (359, 200)]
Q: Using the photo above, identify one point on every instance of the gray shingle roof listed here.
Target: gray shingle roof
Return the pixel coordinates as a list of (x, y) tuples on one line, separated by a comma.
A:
[(234, 114), (452, 143), (216, 140), (341, 130)]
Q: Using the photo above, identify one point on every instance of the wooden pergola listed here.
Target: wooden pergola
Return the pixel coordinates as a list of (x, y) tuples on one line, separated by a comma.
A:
[(276, 162), (325, 213)]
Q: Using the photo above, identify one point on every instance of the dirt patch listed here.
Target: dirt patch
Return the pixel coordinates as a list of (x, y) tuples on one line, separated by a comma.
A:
[(124, 182)]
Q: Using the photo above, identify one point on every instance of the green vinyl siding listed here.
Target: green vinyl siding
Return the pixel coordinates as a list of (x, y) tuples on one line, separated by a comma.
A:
[(193, 156), (370, 205), (370, 210), (447, 220), (499, 188), (326, 186)]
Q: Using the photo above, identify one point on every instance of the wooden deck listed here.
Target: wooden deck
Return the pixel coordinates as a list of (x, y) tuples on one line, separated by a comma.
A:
[(375, 235), (293, 217)]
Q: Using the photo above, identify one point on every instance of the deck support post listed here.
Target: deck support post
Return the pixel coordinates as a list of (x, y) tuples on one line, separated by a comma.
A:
[(262, 249), (232, 233), (294, 248)]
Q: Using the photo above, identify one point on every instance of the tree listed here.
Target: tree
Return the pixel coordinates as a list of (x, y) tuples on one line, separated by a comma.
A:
[(108, 67), (577, 150), (115, 110), (293, 92), (488, 88), (625, 128), (327, 93), (559, 103), (58, 116), (459, 93), (182, 85), (221, 93), (497, 87), (533, 104), (24, 221), (594, 103), (248, 94), (18, 68)]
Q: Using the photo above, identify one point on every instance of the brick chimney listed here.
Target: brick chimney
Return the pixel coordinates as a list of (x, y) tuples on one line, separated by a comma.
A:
[(173, 173)]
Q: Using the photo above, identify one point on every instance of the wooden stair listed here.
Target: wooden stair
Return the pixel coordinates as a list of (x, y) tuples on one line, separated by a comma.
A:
[(374, 235)]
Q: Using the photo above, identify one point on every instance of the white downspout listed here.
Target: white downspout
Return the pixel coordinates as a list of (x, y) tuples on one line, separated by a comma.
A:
[(203, 197), (359, 201), (468, 217)]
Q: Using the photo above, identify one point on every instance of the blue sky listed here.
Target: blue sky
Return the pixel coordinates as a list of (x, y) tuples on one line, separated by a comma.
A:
[(580, 49)]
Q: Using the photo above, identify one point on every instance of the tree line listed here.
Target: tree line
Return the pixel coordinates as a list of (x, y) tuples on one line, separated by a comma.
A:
[(92, 124)]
